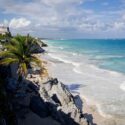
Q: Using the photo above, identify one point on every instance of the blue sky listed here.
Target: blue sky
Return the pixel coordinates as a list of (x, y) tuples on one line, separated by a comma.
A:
[(65, 18)]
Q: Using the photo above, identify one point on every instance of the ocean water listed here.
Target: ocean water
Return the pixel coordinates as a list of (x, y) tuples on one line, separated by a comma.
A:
[(93, 68)]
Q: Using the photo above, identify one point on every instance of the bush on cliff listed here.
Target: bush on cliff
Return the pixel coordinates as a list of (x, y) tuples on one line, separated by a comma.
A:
[(20, 51)]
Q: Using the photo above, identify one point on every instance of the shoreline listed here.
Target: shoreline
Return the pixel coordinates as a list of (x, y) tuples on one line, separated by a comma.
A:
[(94, 115), (93, 65), (98, 117), (90, 110)]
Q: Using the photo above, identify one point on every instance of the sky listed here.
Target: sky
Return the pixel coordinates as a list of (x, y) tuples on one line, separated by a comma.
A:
[(65, 18)]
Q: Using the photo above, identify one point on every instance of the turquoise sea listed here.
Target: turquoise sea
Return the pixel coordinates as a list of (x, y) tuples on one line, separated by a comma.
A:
[(94, 69), (108, 53)]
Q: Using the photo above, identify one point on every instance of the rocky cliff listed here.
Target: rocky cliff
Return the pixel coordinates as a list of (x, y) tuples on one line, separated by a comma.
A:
[(48, 100)]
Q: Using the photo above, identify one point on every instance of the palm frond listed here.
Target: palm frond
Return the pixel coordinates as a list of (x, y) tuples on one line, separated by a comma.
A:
[(34, 59), (6, 54), (14, 49), (19, 50), (22, 70), (8, 61)]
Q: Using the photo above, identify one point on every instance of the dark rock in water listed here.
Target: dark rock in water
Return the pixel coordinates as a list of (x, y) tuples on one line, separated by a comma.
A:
[(38, 106), (41, 43), (44, 44), (40, 50), (37, 49)]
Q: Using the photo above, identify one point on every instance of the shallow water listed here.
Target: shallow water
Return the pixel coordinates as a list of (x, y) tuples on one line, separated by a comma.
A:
[(88, 72)]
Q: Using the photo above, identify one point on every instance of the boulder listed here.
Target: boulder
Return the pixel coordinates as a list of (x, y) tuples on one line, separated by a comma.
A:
[(44, 44), (37, 49), (61, 104)]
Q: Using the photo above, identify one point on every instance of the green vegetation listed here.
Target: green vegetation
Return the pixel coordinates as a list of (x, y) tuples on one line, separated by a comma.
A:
[(20, 51), (2, 37), (5, 37)]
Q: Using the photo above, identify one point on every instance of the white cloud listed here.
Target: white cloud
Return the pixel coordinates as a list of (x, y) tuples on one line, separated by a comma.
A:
[(19, 23), (60, 2), (123, 17), (61, 16), (119, 25)]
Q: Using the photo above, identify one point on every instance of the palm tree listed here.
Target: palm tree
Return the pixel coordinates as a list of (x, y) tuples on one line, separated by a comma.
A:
[(19, 50)]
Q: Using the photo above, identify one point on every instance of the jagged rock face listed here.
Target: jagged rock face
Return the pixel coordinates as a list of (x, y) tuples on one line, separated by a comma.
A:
[(37, 49), (61, 104), (48, 99), (41, 43)]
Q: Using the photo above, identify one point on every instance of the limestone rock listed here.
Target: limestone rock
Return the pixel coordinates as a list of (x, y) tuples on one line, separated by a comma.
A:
[(63, 107)]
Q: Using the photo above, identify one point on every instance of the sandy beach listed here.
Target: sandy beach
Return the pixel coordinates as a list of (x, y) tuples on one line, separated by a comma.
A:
[(95, 117)]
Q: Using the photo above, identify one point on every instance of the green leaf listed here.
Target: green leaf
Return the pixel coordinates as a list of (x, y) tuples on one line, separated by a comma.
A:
[(8, 61)]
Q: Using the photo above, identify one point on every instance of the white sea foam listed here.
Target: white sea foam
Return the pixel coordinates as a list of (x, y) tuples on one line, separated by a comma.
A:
[(77, 71), (89, 51), (114, 73), (122, 86), (69, 62), (74, 54), (60, 47), (63, 60), (108, 56), (58, 58)]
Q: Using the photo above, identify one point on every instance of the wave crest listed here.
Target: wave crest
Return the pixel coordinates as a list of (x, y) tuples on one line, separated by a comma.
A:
[(122, 86)]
